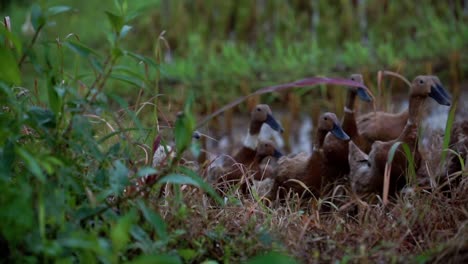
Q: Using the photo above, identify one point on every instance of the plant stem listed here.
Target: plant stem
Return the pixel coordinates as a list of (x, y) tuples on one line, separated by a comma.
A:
[(33, 41)]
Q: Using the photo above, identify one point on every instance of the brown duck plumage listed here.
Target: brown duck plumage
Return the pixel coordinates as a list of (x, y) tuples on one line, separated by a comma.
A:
[(367, 172), (313, 170), (234, 173), (336, 150), (381, 126), (385, 126)]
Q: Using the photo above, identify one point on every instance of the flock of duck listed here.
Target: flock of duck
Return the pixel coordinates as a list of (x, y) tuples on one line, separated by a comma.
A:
[(354, 150)]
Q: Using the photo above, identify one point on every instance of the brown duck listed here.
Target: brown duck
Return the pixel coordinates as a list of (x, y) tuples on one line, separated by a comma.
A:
[(312, 171), (367, 172), (335, 149), (260, 115), (385, 126), (233, 174)]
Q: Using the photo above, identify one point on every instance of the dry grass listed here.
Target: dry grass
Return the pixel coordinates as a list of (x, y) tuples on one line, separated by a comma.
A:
[(421, 225)]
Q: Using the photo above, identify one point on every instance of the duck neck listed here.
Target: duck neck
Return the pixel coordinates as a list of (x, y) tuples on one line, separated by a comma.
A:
[(319, 138), (251, 139), (349, 122), (350, 101), (416, 103), (409, 133)]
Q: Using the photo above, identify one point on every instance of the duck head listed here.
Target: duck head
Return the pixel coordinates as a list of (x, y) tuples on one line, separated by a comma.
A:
[(361, 92), (266, 148), (426, 85), (262, 114), (329, 122)]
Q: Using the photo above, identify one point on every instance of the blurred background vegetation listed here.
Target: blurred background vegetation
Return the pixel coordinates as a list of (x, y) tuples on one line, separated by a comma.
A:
[(223, 49)]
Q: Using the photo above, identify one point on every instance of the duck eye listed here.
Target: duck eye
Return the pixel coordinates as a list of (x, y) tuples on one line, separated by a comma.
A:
[(352, 79), (421, 81), (325, 118), (258, 109)]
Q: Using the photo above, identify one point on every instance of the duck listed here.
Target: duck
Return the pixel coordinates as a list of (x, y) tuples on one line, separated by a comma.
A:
[(367, 171), (312, 170), (335, 149), (384, 126), (234, 174), (381, 125), (260, 115)]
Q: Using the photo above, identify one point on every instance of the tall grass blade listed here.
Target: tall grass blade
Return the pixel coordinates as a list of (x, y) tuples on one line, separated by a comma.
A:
[(312, 81), (388, 166), (448, 132)]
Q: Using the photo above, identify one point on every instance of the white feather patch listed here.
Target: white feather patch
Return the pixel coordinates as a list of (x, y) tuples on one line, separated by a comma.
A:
[(250, 141), (160, 155), (347, 110)]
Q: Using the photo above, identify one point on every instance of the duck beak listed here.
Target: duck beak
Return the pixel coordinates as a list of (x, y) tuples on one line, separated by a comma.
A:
[(444, 92), (439, 94), (362, 93), (338, 132), (277, 154), (271, 121)]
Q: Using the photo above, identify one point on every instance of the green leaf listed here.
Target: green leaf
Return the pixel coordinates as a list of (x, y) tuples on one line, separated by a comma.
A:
[(7, 158), (272, 258), (55, 10), (55, 101), (139, 58), (17, 45), (187, 254), (119, 176), (31, 163), (178, 179), (120, 233), (183, 131), (9, 71), (202, 184), (155, 220), (128, 79), (146, 171), (116, 21), (160, 259), (117, 52), (80, 49), (37, 17), (41, 118)]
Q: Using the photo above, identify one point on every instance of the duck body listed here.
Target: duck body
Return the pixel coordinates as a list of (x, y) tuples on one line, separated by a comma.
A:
[(379, 157), (381, 126), (336, 150), (367, 172), (312, 170), (253, 170)]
